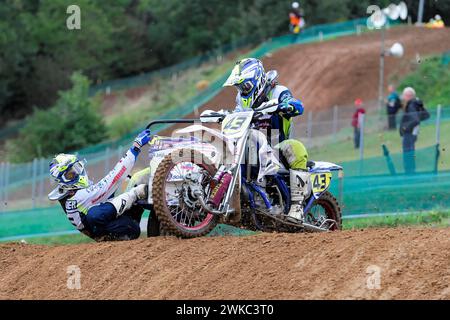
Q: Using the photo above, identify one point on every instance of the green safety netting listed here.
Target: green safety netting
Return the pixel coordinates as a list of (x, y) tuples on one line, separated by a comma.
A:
[(395, 194), (375, 189), (380, 184), (446, 58), (424, 160)]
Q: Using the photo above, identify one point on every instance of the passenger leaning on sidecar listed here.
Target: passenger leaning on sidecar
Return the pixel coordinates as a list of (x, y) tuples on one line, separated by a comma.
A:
[(92, 208), (256, 87)]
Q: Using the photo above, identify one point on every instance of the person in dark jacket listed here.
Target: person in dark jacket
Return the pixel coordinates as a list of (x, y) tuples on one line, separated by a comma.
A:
[(409, 128), (355, 122), (392, 107)]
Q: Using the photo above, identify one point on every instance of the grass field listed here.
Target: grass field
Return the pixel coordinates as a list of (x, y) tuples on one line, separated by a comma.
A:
[(431, 219), (431, 79), (344, 151)]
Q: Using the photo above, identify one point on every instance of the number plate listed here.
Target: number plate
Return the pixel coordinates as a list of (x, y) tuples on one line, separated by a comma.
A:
[(320, 181), (234, 125)]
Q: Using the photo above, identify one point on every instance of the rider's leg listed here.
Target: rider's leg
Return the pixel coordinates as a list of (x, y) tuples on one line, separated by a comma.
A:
[(124, 201), (297, 157), (97, 218), (123, 228), (102, 223), (135, 212), (299, 184), (106, 220)]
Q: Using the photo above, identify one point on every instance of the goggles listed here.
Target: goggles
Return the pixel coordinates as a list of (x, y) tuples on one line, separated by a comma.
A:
[(246, 87), (72, 174)]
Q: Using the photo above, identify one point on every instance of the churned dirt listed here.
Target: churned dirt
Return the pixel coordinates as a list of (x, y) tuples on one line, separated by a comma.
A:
[(412, 263)]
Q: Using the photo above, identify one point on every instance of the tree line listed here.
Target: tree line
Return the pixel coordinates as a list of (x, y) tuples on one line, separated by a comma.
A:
[(120, 38)]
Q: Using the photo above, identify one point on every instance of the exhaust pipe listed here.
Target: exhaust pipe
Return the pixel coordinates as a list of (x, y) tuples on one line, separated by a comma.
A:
[(205, 206)]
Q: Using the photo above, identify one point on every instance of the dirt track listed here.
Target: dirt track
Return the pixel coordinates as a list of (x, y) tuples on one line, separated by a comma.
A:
[(415, 264)]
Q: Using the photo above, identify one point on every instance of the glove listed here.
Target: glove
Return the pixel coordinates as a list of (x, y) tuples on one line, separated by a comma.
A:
[(143, 138), (285, 107)]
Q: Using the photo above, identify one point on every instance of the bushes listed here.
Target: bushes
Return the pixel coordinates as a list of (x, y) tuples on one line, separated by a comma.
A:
[(431, 80), (72, 123)]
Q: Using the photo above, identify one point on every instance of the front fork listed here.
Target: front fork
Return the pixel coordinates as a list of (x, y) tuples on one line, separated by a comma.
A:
[(236, 169), (224, 208)]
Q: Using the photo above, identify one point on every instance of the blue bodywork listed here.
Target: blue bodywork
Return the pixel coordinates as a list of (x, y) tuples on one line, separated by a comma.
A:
[(251, 187)]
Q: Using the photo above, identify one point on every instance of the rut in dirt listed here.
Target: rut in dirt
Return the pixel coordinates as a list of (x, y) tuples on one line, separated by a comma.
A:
[(413, 263)]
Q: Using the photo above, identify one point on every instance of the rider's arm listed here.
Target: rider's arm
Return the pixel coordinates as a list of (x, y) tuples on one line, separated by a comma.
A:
[(106, 187), (295, 105), (98, 193)]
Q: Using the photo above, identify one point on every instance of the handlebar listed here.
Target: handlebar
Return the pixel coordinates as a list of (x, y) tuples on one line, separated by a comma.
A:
[(271, 105), (266, 106), (191, 121), (174, 121)]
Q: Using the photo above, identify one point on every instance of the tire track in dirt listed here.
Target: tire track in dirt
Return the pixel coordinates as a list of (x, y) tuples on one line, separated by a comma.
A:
[(414, 264)]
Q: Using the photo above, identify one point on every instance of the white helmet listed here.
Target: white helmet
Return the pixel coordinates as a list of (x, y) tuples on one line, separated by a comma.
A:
[(295, 5), (437, 17), (69, 172), (249, 77)]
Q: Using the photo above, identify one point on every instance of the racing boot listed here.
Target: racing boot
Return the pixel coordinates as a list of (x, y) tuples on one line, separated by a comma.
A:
[(124, 201), (299, 183)]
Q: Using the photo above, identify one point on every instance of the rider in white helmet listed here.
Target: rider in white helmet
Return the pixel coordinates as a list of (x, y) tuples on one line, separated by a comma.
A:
[(92, 208), (256, 87)]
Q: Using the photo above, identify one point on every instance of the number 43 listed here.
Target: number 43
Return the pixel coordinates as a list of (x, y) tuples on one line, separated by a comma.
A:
[(320, 181)]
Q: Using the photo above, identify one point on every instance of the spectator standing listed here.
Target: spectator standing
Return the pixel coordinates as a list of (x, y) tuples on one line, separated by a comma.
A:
[(356, 122), (392, 107), (409, 127)]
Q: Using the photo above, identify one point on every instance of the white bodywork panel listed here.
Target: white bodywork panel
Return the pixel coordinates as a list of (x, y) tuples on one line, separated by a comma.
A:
[(322, 165)]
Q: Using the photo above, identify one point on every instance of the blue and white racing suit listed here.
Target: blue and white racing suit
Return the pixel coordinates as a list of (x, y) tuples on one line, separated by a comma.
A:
[(294, 151), (280, 121), (89, 211)]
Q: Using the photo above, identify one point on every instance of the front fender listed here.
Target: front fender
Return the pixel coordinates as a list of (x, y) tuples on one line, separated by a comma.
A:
[(320, 166)]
